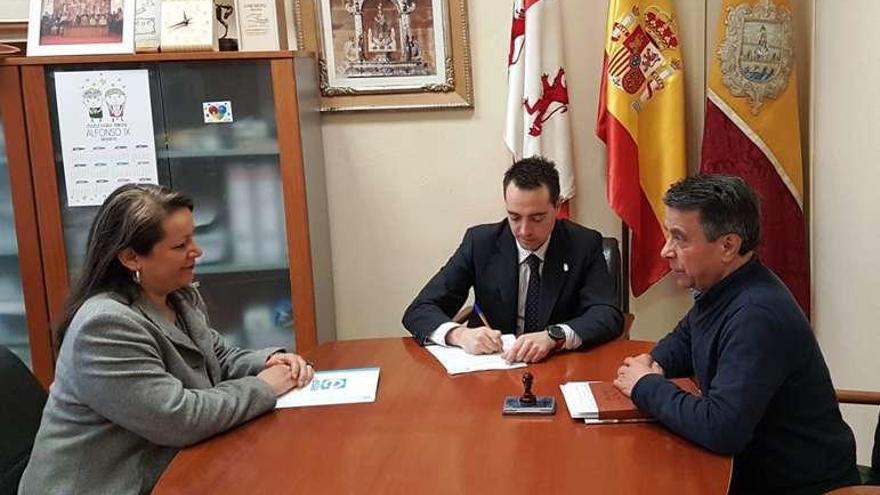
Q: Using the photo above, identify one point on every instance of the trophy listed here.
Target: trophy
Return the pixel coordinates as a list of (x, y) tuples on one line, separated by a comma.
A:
[(224, 13)]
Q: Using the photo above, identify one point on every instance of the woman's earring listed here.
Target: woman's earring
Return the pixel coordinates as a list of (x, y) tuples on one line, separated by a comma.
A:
[(137, 276)]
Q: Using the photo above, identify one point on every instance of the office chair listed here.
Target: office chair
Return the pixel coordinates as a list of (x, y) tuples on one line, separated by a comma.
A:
[(611, 252), (870, 475), (23, 399)]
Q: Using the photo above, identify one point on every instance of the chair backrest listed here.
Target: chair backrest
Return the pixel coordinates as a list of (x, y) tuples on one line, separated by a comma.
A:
[(23, 399), (611, 252), (875, 457), (870, 474)]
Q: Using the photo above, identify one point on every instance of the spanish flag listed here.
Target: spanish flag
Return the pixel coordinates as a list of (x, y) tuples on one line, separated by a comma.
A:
[(752, 128), (641, 120)]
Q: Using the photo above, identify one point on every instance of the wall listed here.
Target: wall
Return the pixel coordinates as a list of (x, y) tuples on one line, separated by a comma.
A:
[(403, 186), (846, 178)]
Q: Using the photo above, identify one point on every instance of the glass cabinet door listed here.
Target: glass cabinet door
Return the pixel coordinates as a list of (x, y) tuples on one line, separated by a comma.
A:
[(231, 170), (13, 327), (76, 220)]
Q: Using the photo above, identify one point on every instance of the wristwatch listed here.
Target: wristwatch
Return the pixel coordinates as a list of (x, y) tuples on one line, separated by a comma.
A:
[(557, 333)]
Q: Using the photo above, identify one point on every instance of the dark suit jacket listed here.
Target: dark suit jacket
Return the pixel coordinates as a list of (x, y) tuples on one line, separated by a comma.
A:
[(487, 260)]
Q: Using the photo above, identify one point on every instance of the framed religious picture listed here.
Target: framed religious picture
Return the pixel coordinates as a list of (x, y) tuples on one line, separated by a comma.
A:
[(393, 54), (79, 27)]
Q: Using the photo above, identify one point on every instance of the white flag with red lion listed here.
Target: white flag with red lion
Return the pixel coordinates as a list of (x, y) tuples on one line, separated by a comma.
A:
[(537, 93)]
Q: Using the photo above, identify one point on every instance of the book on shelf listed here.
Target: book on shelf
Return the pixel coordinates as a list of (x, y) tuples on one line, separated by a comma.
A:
[(598, 402)]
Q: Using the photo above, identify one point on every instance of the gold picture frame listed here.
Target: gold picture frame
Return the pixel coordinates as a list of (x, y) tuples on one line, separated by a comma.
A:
[(391, 54)]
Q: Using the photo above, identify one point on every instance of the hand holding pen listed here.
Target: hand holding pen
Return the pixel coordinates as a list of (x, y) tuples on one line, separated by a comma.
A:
[(480, 340)]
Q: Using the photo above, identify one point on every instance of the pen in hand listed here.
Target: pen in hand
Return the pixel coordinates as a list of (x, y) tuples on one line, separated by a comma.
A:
[(496, 338), (482, 316)]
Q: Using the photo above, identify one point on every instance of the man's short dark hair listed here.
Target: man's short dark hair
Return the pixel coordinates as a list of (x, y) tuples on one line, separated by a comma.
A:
[(532, 173), (727, 205)]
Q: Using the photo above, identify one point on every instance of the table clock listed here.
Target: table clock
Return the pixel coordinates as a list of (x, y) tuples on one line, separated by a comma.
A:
[(187, 26)]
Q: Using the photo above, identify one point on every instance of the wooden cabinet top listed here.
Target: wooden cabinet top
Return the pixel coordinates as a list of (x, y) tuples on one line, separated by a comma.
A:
[(152, 57)]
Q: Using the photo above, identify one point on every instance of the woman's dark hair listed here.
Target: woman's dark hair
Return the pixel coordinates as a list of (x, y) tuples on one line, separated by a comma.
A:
[(131, 217), (727, 205)]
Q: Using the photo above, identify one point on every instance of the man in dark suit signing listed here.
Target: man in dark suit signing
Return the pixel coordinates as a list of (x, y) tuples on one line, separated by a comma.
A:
[(535, 276)]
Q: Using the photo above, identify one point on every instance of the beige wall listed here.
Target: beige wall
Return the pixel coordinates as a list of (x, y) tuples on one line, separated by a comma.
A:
[(846, 178), (404, 186)]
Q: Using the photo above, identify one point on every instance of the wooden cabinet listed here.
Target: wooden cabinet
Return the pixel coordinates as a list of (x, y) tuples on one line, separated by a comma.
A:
[(257, 182)]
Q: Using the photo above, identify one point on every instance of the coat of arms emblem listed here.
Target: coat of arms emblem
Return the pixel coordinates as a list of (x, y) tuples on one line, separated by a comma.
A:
[(644, 54), (756, 54)]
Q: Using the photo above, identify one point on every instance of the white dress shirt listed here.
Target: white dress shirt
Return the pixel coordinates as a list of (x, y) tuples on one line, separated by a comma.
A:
[(572, 340)]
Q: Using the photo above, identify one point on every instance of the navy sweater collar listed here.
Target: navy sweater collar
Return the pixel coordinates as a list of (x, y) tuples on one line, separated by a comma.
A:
[(728, 285)]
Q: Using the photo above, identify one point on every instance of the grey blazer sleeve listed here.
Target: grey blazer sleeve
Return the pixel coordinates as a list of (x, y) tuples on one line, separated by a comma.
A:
[(235, 362), (239, 363), (120, 374)]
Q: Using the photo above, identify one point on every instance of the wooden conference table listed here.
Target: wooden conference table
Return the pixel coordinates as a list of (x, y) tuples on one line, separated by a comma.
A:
[(429, 432)]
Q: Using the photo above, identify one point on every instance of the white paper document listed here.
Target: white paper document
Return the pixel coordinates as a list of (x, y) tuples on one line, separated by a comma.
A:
[(579, 400), (456, 361), (349, 386)]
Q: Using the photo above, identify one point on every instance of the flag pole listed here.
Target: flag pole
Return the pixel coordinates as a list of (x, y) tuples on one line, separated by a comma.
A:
[(624, 267)]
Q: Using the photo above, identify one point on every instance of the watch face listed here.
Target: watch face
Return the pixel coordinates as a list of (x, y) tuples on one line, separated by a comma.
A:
[(556, 332)]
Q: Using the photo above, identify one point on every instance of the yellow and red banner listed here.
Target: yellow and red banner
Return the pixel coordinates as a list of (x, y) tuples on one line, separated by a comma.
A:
[(641, 119), (752, 128)]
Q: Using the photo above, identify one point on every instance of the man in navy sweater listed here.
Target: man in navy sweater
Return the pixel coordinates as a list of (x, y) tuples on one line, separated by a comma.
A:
[(767, 397)]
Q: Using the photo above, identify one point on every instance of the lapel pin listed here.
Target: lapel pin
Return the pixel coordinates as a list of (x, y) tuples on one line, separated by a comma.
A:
[(565, 267)]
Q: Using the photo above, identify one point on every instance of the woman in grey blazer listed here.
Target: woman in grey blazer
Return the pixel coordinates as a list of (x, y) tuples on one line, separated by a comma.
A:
[(140, 373)]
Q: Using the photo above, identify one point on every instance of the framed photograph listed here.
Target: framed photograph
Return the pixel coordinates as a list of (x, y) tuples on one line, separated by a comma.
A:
[(81, 27), (393, 54)]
